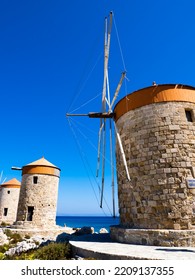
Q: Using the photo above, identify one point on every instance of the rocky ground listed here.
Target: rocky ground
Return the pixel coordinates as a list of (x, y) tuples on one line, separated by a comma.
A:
[(28, 243)]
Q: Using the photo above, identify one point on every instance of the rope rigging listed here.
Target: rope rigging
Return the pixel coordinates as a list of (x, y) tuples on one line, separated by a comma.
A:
[(121, 52), (86, 138), (78, 136), (83, 81), (87, 102), (86, 163)]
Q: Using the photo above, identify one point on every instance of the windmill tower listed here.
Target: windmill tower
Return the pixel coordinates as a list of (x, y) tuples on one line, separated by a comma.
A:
[(9, 196), (157, 207), (38, 195)]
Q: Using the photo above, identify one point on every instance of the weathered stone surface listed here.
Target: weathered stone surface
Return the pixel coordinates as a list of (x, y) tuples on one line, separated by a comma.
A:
[(158, 142), (160, 154), (42, 196), (156, 237), (9, 199), (3, 237)]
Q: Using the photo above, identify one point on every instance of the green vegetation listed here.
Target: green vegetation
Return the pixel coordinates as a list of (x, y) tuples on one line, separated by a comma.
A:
[(13, 237), (2, 256), (27, 236), (4, 224), (52, 251), (4, 248)]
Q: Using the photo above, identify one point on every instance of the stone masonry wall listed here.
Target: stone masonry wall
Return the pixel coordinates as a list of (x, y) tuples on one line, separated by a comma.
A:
[(42, 196), (154, 237), (159, 145), (9, 199)]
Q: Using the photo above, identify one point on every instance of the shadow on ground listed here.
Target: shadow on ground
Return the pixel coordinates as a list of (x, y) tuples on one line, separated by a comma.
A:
[(100, 237), (175, 250)]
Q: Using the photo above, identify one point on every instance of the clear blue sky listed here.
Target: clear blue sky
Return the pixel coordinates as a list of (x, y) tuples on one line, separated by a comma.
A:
[(51, 63)]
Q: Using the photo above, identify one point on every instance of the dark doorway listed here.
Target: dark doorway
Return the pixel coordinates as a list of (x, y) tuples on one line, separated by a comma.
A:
[(30, 213), (5, 211)]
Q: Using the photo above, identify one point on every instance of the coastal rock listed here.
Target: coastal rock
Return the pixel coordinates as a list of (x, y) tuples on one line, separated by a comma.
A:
[(85, 230), (63, 237), (103, 230), (3, 238)]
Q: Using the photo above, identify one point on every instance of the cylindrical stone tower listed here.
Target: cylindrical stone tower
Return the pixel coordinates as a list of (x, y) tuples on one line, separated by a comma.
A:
[(9, 196), (157, 128), (38, 195)]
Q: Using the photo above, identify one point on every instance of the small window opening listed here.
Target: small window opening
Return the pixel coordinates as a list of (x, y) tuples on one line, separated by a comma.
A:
[(8, 192), (189, 115), (30, 213), (5, 211), (35, 179)]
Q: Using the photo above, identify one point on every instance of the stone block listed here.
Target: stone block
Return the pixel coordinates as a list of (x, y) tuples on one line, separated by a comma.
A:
[(174, 127), (182, 195), (152, 203), (164, 155), (167, 170), (162, 181), (174, 170), (174, 150), (171, 180)]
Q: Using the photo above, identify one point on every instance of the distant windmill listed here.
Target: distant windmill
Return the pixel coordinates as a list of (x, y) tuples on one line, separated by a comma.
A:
[(105, 114), (1, 178)]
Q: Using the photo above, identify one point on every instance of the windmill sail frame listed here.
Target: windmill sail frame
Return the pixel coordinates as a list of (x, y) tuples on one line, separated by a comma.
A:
[(107, 114)]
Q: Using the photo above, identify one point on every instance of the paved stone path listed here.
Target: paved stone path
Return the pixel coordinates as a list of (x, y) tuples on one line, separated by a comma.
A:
[(100, 246)]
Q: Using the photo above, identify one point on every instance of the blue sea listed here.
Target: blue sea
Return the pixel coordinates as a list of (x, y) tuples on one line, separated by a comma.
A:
[(91, 221)]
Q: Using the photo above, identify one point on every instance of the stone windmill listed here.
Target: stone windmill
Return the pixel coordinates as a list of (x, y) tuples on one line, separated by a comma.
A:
[(155, 151), (9, 196), (38, 195)]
